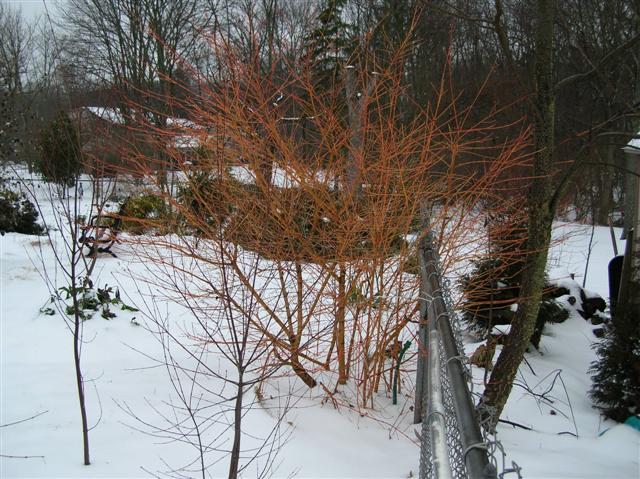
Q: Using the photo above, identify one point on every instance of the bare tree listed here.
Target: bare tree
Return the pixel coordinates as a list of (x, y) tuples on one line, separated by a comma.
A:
[(134, 45), (69, 277), (70, 292), (16, 37), (16, 41), (219, 362)]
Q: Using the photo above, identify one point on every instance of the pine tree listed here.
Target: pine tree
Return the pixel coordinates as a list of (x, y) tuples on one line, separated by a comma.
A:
[(329, 44), (60, 158), (492, 288), (616, 372), (392, 20)]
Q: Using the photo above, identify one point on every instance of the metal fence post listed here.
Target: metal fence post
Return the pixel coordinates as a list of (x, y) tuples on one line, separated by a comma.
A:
[(421, 369), (459, 418), (423, 337)]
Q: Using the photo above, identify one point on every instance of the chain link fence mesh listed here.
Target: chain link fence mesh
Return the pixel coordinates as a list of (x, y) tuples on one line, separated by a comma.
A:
[(456, 451)]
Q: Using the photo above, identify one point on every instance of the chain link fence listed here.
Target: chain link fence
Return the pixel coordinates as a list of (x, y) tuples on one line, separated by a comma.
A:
[(454, 445)]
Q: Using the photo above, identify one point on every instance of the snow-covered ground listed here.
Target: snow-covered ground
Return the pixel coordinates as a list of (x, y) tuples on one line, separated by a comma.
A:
[(568, 437)]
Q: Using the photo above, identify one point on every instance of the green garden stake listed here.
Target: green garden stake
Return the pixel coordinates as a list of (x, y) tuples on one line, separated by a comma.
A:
[(406, 346)]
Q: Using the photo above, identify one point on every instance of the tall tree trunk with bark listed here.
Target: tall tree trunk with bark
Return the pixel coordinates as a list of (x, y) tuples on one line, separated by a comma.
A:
[(234, 460), (340, 325), (540, 214), (77, 339)]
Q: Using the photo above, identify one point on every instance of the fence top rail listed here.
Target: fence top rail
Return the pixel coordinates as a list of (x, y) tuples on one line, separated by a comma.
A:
[(443, 338)]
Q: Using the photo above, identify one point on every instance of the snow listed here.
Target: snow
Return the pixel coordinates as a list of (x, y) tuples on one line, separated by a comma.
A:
[(634, 145), (559, 373), (184, 138), (37, 375), (113, 115), (182, 123), (323, 440), (122, 375), (186, 142), (569, 255), (283, 177)]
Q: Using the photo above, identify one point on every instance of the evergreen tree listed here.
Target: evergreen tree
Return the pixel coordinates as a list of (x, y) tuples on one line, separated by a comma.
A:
[(60, 156), (330, 43), (392, 20), (492, 288), (616, 372), (17, 213)]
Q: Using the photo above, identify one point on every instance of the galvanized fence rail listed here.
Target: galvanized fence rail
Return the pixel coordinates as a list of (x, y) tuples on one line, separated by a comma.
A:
[(453, 443)]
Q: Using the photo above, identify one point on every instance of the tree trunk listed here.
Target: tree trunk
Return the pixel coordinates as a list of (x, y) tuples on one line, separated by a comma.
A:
[(523, 324), (79, 380), (295, 337), (355, 108), (237, 431), (301, 372), (340, 326), (540, 215)]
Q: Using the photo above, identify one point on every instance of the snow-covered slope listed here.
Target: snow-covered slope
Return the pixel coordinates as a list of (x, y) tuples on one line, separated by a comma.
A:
[(36, 368)]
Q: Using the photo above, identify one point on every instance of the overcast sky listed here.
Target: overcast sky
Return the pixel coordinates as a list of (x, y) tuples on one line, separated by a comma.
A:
[(32, 8)]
